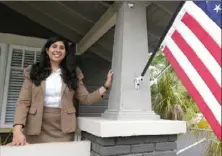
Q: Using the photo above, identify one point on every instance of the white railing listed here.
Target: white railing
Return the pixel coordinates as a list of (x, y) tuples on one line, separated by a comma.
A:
[(75, 148)]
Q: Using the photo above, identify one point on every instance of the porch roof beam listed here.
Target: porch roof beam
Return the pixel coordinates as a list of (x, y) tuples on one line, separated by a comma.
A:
[(104, 24)]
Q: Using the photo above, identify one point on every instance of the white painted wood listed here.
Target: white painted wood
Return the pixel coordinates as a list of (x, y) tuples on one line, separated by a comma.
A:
[(80, 148), (130, 55), (22, 40), (5, 92), (14, 68), (3, 62), (114, 128)]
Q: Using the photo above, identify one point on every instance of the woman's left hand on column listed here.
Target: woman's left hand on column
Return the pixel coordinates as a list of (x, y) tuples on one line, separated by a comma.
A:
[(108, 82)]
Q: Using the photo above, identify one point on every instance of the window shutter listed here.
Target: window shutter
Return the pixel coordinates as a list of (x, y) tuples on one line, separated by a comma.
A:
[(19, 58)]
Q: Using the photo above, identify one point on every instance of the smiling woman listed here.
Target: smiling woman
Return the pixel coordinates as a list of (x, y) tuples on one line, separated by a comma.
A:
[(45, 106), (56, 52)]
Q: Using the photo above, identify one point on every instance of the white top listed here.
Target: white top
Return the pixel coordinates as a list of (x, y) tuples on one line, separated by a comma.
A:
[(53, 90)]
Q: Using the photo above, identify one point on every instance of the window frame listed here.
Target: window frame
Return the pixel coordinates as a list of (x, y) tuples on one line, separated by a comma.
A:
[(7, 79), (3, 64)]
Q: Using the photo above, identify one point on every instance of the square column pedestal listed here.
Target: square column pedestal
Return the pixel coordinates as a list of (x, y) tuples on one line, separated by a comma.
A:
[(131, 137)]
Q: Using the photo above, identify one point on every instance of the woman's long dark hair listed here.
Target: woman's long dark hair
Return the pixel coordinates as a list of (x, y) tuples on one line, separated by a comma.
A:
[(41, 70)]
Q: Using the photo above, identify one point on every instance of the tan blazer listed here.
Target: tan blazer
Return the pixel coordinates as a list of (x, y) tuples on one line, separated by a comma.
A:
[(29, 107)]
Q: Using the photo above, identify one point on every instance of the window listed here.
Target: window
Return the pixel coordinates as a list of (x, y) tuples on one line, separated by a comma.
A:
[(19, 57)]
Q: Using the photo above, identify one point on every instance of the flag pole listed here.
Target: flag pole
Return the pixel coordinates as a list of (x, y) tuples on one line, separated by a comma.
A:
[(162, 38), (159, 75), (139, 79)]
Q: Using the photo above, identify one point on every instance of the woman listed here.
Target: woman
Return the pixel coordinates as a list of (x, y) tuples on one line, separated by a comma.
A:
[(45, 110)]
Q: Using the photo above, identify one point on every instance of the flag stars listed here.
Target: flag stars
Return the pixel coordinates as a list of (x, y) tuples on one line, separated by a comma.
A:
[(217, 8)]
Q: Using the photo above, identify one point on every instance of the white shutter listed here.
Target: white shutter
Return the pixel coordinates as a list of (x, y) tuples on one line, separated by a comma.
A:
[(19, 58)]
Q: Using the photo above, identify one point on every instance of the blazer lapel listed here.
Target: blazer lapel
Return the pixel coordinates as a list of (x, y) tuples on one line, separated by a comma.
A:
[(43, 86)]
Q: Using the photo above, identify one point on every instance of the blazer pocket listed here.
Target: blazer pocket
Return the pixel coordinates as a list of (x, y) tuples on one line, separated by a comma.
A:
[(32, 111), (70, 110)]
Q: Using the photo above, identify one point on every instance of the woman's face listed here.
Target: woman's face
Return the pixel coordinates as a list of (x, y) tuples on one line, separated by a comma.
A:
[(56, 51)]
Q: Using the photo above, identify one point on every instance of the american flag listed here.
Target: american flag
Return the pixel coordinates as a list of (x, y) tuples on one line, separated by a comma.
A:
[(192, 45)]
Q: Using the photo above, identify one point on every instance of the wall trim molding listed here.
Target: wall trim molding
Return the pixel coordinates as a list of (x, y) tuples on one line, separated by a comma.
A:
[(22, 40)]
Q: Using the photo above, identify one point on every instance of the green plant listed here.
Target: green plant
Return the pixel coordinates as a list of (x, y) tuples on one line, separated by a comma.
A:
[(166, 99), (171, 101), (169, 97), (214, 148), (4, 142)]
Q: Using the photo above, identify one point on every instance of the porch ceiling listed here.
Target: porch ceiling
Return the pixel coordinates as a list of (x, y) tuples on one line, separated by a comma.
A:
[(73, 19)]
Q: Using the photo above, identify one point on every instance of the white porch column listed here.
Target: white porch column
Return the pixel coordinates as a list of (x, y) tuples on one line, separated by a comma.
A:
[(129, 126), (130, 55)]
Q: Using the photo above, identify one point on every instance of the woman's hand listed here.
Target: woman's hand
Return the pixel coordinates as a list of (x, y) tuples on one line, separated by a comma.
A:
[(107, 84), (18, 137), (109, 79)]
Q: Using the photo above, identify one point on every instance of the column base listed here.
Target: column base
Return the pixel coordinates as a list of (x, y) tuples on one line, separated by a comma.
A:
[(115, 128), (155, 145), (130, 115)]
